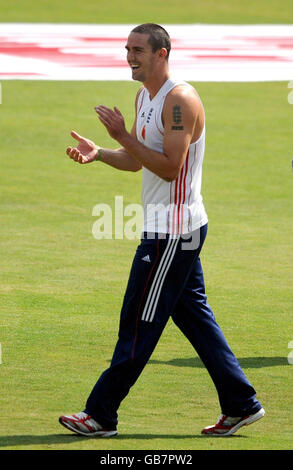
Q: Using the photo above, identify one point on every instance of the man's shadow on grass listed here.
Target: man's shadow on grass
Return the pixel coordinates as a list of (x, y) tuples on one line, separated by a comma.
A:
[(245, 362), (51, 439)]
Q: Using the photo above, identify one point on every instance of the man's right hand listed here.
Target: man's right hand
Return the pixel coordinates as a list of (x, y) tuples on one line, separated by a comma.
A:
[(85, 152)]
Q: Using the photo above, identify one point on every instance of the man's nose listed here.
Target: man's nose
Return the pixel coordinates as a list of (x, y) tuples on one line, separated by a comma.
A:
[(130, 56)]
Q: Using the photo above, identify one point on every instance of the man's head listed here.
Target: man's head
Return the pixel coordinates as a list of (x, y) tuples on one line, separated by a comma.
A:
[(158, 36), (148, 47)]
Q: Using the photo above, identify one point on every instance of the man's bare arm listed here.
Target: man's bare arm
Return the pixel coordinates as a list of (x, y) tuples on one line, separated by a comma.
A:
[(177, 136), (120, 158)]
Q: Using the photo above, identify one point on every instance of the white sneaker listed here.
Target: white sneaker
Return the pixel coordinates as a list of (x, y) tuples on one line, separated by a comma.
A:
[(84, 424), (228, 425)]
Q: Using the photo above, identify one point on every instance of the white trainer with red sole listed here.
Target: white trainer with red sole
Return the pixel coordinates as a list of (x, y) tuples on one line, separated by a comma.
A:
[(85, 425), (228, 425)]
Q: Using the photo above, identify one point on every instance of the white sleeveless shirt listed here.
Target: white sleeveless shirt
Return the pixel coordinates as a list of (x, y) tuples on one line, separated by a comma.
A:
[(174, 207)]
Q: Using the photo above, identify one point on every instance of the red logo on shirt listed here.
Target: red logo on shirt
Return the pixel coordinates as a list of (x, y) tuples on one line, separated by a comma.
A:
[(143, 133)]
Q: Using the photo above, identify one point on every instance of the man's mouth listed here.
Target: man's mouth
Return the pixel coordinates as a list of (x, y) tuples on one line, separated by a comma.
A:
[(134, 66)]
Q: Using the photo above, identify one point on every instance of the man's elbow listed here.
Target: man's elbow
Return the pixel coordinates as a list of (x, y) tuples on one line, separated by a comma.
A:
[(136, 168), (172, 174), (169, 179)]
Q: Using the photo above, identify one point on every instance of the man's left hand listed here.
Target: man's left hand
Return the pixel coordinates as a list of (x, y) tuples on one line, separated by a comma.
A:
[(113, 121)]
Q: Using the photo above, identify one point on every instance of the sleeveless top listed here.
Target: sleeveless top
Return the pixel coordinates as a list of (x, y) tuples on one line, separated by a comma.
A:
[(174, 207)]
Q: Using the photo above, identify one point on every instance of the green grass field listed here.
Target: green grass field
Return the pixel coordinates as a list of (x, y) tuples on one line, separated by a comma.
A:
[(158, 11), (61, 289)]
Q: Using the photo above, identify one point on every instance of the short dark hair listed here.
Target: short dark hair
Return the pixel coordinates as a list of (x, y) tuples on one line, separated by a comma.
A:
[(158, 36)]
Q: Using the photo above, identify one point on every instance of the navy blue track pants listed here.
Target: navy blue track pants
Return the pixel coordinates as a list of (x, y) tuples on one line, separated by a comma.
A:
[(166, 279)]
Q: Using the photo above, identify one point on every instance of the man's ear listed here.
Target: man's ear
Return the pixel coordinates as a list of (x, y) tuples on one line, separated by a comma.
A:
[(163, 53)]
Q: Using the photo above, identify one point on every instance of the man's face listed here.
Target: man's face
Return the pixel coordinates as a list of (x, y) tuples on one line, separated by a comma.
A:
[(140, 56)]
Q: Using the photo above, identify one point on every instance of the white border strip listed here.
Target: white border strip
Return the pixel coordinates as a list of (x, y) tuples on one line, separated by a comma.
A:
[(200, 52)]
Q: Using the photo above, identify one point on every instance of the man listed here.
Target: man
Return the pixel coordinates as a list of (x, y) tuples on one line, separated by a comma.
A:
[(166, 279)]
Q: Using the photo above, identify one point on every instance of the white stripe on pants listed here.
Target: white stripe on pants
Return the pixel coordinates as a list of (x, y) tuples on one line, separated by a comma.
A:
[(157, 284)]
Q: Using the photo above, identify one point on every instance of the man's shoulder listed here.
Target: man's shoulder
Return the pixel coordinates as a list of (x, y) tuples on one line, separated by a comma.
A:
[(139, 91), (183, 94), (138, 94), (184, 91)]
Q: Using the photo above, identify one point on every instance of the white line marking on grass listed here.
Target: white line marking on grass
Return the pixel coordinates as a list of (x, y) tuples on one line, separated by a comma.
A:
[(290, 95), (290, 355)]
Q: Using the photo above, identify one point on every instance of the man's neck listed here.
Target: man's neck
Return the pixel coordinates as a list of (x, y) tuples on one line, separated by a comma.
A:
[(155, 84)]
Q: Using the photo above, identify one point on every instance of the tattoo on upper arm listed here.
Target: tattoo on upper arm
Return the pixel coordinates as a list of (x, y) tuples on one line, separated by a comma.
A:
[(177, 118)]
